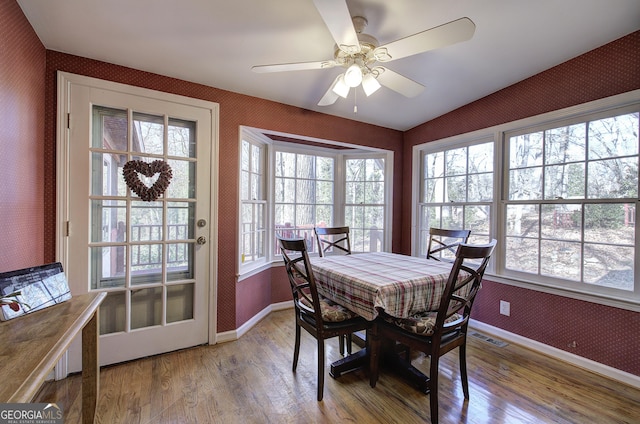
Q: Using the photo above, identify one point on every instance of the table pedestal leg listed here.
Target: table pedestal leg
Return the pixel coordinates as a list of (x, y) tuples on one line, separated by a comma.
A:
[(349, 363)]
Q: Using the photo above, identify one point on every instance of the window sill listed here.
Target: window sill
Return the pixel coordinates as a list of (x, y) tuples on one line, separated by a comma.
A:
[(249, 270)]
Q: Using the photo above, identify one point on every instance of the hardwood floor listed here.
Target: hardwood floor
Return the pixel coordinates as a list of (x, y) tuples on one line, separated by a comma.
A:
[(250, 381)]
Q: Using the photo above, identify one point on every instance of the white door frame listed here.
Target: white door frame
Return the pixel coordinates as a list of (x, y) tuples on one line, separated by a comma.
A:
[(64, 80)]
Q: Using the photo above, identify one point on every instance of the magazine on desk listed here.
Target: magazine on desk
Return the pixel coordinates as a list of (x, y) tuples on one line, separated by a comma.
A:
[(38, 287)]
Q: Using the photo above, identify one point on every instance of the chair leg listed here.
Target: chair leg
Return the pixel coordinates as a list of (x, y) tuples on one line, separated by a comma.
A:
[(348, 341), (320, 369), (296, 348), (433, 388), (463, 370), (341, 344)]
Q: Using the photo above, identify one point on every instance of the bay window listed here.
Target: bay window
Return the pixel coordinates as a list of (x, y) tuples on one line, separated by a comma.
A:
[(288, 188)]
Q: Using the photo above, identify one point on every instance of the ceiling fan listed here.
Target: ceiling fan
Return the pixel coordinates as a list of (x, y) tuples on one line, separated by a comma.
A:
[(359, 53)]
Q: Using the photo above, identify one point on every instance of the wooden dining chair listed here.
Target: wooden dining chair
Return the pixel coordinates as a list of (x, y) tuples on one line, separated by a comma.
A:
[(335, 239), (437, 332), (319, 316), (443, 243)]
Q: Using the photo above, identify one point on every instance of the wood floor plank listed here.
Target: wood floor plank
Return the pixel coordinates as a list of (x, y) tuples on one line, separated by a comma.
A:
[(250, 381)]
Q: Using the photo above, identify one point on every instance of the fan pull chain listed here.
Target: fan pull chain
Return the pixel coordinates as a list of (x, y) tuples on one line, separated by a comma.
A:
[(355, 100)]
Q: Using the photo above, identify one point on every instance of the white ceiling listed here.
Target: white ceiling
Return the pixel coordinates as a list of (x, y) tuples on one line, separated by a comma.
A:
[(216, 42)]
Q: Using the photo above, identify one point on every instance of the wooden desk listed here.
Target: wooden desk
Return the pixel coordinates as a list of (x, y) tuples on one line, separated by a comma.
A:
[(31, 345)]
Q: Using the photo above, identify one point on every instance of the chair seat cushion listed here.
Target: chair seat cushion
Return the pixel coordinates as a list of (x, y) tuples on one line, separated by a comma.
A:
[(331, 311), (422, 324)]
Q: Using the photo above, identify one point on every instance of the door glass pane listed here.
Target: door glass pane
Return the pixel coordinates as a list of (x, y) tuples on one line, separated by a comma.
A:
[(108, 221), (146, 307), (146, 263), (109, 128), (146, 221), (181, 140), (180, 218), (183, 183), (107, 266), (106, 174), (179, 264), (179, 302), (148, 134), (113, 316)]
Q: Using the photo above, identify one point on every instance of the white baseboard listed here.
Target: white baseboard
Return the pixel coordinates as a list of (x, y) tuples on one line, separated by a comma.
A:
[(228, 336), (579, 361)]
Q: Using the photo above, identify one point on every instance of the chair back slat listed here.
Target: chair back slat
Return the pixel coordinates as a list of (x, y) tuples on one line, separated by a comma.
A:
[(332, 239), (443, 243)]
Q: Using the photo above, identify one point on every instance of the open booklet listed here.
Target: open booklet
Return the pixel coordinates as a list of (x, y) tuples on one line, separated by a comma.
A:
[(36, 287)]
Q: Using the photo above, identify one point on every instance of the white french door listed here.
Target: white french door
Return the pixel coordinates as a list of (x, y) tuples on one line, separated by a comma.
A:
[(150, 253)]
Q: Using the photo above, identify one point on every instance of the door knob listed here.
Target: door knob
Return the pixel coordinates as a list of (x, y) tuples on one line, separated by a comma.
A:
[(201, 240)]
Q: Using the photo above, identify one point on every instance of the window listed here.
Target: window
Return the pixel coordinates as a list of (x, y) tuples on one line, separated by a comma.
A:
[(457, 192), (288, 188), (561, 200), (572, 192), (253, 202), (365, 203), (303, 194)]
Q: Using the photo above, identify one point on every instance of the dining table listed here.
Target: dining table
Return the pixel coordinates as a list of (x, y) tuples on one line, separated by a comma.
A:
[(375, 283)]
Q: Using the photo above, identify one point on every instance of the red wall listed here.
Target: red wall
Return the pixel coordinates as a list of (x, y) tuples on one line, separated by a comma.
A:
[(604, 334), (22, 64)]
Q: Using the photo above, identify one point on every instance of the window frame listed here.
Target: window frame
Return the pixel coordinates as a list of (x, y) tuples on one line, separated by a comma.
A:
[(582, 202), (299, 150), (385, 244), (419, 241), (251, 138), (611, 106)]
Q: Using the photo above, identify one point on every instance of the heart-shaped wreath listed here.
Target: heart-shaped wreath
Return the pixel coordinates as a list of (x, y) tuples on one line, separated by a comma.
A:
[(148, 194)]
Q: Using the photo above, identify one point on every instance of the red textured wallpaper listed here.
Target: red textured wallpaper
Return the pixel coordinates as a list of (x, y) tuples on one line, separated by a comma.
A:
[(22, 64), (236, 302), (555, 320)]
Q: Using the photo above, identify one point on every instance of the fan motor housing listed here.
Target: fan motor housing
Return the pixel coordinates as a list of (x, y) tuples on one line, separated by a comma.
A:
[(368, 44)]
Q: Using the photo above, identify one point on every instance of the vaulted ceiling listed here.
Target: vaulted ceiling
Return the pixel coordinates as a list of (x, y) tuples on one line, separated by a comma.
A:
[(217, 42)]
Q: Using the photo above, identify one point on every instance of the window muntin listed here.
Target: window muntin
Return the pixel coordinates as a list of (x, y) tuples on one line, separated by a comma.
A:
[(572, 193), (303, 194), (253, 202), (457, 191), (365, 203)]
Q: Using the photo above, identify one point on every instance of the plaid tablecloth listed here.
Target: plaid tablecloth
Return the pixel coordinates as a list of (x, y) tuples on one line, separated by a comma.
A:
[(400, 285)]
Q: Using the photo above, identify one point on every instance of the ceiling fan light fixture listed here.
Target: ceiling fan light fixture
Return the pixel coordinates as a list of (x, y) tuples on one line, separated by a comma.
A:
[(340, 87), (353, 75), (370, 84)]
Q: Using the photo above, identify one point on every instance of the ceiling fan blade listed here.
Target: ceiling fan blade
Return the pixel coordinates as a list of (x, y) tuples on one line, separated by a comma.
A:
[(337, 18), (397, 82), (330, 96), (444, 35), (300, 66)]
